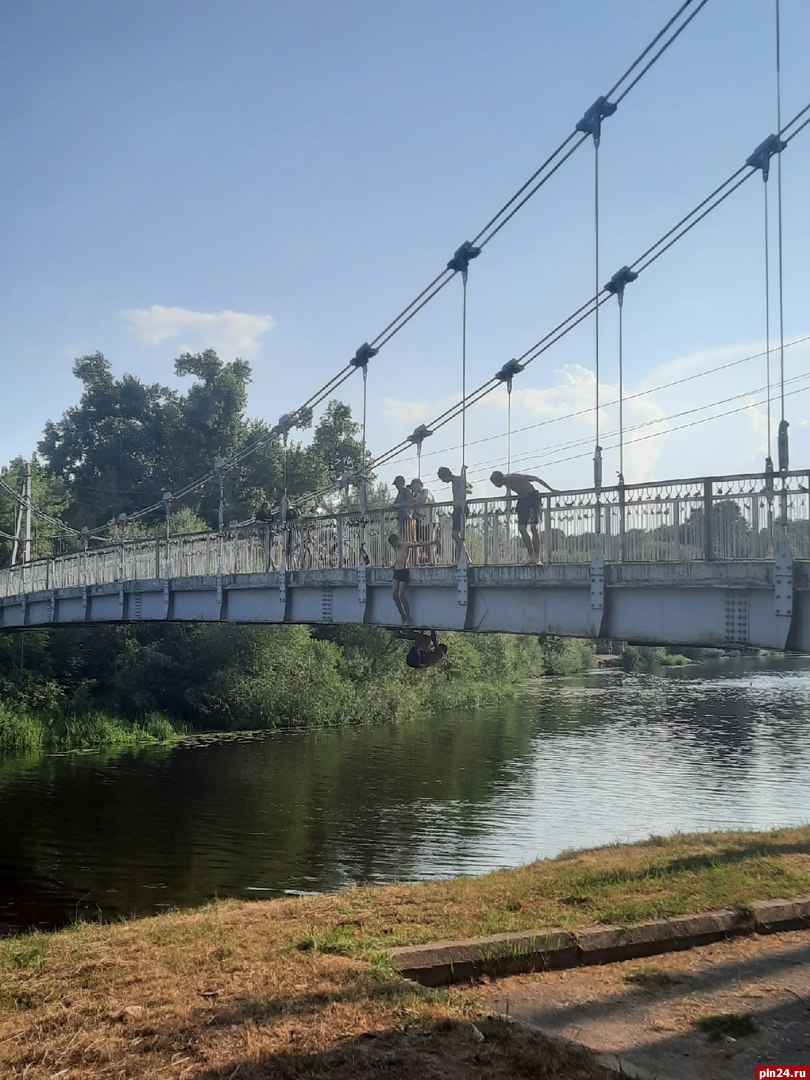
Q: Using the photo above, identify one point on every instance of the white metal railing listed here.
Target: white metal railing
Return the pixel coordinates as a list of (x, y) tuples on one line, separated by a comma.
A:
[(725, 518)]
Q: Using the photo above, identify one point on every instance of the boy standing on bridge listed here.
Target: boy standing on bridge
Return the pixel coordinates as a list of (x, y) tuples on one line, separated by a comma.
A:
[(528, 507), (402, 558), (460, 492)]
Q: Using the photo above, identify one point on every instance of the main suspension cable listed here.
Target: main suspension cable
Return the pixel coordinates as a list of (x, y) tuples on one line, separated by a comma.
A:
[(654, 252)]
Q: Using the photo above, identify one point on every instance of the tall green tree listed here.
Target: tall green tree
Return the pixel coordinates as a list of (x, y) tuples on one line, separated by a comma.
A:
[(108, 450)]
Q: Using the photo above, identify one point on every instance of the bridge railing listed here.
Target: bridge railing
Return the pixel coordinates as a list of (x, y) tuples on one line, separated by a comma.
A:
[(726, 518)]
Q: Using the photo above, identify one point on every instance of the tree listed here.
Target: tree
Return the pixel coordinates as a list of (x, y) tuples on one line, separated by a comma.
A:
[(108, 450)]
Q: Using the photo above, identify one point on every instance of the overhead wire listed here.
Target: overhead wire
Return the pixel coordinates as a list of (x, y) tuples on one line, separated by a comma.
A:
[(493, 226), (483, 465), (628, 397), (669, 431), (654, 252), (29, 504)]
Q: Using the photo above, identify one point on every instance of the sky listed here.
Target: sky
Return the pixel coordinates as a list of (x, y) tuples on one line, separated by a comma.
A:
[(277, 181)]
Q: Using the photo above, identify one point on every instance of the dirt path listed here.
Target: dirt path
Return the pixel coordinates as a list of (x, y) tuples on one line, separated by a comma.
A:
[(645, 1012)]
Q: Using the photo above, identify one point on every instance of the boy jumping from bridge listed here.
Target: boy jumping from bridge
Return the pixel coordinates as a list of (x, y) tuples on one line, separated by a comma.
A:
[(528, 507)]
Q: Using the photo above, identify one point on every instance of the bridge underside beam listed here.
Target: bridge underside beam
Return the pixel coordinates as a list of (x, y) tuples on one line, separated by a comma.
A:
[(753, 604)]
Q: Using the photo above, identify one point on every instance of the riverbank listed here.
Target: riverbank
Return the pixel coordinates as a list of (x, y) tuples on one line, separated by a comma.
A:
[(78, 689), (304, 987)]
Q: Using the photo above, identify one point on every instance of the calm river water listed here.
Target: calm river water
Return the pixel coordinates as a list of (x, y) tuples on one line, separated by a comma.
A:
[(576, 763)]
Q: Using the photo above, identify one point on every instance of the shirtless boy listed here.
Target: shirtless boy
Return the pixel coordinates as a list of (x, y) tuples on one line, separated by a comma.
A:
[(426, 650), (460, 492), (402, 558), (528, 507)]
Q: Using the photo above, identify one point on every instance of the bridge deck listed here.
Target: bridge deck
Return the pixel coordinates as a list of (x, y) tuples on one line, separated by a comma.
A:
[(702, 562)]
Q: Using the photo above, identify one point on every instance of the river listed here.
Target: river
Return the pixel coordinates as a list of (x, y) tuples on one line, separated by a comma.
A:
[(576, 762)]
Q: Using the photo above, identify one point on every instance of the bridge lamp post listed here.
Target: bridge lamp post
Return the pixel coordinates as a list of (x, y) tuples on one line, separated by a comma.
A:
[(167, 502)]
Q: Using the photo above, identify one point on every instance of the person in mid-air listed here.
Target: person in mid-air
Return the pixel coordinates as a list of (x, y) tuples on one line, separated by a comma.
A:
[(402, 558), (426, 650), (528, 507)]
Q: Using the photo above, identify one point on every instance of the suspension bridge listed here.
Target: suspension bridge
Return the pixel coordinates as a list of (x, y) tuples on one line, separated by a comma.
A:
[(705, 561)]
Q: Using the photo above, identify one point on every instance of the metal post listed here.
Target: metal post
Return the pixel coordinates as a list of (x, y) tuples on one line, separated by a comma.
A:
[(622, 518), (86, 538), (547, 527), (708, 523), (167, 500), (28, 498), (220, 471), (122, 522)]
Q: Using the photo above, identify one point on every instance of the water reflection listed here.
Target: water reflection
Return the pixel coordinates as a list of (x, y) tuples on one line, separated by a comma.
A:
[(577, 762)]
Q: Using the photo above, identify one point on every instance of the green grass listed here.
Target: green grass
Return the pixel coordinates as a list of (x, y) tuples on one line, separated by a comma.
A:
[(727, 1026), (621, 885), (23, 732)]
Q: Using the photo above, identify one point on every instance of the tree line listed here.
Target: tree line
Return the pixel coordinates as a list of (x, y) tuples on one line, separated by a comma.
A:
[(119, 449)]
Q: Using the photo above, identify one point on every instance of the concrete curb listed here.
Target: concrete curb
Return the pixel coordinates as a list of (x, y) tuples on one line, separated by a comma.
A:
[(443, 962)]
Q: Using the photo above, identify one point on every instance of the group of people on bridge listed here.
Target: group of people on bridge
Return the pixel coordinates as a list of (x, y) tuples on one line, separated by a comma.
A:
[(415, 536), (415, 539)]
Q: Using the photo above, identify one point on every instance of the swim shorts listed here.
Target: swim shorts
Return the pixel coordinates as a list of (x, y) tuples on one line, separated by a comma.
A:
[(528, 509), (401, 575)]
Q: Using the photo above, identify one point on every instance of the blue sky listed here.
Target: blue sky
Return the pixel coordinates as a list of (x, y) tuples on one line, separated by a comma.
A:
[(278, 180)]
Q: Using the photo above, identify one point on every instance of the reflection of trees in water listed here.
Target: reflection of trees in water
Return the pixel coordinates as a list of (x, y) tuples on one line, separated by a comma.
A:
[(318, 810), (303, 811)]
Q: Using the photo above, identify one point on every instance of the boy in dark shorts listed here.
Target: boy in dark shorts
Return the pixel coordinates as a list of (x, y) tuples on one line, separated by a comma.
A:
[(461, 490), (528, 507), (402, 558), (426, 651)]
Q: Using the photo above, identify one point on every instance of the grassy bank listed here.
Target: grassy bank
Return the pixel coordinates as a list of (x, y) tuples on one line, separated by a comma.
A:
[(301, 988), (123, 686), (26, 732)]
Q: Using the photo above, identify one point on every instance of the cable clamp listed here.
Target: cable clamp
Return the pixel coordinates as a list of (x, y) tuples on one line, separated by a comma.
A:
[(419, 435), (591, 122), (508, 372), (463, 257), (619, 280), (363, 355), (761, 157)]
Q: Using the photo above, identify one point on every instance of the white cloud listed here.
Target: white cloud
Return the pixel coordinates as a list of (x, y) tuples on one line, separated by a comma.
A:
[(232, 333), (413, 412), (675, 425)]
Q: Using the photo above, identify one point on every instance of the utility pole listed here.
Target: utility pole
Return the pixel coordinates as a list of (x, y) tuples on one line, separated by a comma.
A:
[(22, 539)]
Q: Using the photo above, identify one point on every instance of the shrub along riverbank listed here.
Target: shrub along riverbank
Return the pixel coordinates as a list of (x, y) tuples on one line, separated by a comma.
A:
[(302, 987), (76, 688)]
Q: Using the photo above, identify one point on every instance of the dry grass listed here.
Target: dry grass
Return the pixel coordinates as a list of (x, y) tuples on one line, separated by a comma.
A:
[(295, 988)]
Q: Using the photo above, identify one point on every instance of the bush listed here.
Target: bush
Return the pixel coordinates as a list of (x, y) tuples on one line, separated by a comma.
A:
[(20, 733)]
